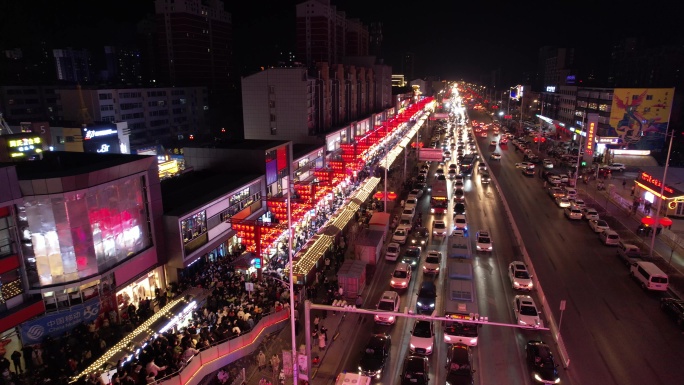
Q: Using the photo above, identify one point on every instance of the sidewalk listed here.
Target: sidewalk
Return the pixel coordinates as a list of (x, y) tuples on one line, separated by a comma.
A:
[(614, 204)]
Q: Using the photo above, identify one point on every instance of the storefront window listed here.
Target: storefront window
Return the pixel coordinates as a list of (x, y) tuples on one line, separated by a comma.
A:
[(72, 236), (194, 226), (10, 285)]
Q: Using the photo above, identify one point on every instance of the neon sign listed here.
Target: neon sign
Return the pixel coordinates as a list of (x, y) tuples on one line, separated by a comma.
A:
[(589, 149), (655, 182), (90, 134), (24, 144)]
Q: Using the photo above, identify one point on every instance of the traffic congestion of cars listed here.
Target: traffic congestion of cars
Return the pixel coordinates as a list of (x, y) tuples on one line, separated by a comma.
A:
[(416, 246)]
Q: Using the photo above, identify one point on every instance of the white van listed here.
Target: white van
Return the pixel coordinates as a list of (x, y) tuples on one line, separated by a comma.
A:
[(649, 275)]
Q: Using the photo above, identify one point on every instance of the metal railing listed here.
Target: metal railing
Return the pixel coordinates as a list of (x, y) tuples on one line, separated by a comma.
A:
[(227, 351)]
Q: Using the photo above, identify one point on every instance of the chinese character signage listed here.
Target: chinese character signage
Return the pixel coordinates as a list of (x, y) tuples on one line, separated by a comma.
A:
[(56, 324), (592, 124), (102, 138)]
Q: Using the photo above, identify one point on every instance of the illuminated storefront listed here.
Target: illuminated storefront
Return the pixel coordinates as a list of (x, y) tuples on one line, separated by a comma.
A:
[(144, 287), (649, 184)]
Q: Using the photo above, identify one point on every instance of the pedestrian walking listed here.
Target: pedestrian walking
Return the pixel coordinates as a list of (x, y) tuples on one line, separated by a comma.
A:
[(275, 364), (321, 342), (261, 360), (16, 359), (624, 183), (316, 320), (324, 333), (632, 193)]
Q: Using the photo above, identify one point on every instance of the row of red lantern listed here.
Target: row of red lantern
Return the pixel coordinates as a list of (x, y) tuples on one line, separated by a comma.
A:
[(243, 227)]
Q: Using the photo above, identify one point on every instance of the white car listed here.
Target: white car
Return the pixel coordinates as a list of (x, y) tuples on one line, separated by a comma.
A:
[(460, 222), (609, 238), (563, 202), (408, 212), (439, 228), (554, 180), (520, 276), (526, 312), (615, 167), (422, 338), (392, 251), (389, 302), (410, 203), (432, 263), (400, 235), (578, 202), (598, 225), (483, 242), (416, 192), (495, 156), (401, 277), (590, 213), (524, 165), (548, 163), (573, 212)]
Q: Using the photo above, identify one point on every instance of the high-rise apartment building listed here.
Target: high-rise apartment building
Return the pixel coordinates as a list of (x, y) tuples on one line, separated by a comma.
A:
[(73, 66), (324, 34), (194, 42)]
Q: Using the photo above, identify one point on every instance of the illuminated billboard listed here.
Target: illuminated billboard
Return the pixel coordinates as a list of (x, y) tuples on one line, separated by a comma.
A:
[(101, 138), (639, 116)]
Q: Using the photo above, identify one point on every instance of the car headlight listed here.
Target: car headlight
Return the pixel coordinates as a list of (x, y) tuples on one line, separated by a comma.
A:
[(530, 285), (557, 380), (521, 322), (413, 346), (428, 349), (432, 211), (392, 282), (403, 284), (516, 284), (419, 304), (432, 305), (390, 319), (473, 341), (447, 338), (360, 369)]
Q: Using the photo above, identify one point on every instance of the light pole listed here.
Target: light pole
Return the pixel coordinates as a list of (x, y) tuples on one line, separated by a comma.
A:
[(579, 149), (295, 361), (662, 187)]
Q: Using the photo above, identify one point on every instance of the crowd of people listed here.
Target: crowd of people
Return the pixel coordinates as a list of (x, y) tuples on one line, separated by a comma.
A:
[(229, 311)]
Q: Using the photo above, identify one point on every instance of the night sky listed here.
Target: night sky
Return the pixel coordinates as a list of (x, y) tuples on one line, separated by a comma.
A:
[(450, 39)]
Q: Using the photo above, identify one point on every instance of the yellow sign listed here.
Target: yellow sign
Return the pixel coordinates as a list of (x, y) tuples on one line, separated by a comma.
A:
[(641, 114), (14, 143)]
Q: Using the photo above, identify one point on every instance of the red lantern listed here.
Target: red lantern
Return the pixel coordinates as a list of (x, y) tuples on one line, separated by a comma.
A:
[(665, 221), (648, 221)]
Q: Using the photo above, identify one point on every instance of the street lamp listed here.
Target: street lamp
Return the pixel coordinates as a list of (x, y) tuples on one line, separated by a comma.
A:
[(295, 361), (662, 187)]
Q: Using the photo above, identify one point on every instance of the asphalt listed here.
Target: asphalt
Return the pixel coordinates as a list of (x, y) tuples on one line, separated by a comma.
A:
[(612, 204)]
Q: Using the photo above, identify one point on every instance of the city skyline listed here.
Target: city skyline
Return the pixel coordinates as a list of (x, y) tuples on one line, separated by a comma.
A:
[(450, 41)]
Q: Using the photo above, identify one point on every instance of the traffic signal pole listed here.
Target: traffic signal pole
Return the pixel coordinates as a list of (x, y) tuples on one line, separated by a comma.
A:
[(343, 306)]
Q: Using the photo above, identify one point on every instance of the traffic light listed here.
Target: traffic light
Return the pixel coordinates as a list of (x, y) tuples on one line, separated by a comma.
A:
[(584, 163)]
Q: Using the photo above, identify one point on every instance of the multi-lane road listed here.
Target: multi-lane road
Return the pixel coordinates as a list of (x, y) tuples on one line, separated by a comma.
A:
[(613, 331)]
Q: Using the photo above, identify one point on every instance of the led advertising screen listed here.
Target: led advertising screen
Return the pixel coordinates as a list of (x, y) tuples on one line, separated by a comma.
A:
[(639, 116)]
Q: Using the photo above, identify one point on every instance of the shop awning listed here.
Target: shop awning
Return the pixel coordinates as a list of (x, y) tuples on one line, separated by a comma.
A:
[(307, 259)]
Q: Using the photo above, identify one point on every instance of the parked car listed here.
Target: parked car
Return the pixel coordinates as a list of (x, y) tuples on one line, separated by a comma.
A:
[(674, 308), (615, 166)]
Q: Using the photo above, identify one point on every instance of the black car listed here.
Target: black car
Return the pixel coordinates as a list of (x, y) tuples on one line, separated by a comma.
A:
[(427, 298), (415, 371), (459, 365), (420, 237), (543, 368), (459, 208), (411, 256), (375, 355), (674, 308), (528, 172)]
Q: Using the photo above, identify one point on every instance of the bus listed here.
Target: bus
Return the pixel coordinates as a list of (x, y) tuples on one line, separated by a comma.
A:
[(439, 197), (461, 303)]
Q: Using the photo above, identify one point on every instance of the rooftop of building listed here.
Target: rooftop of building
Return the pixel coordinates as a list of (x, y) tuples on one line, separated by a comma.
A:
[(301, 149), (246, 144), (186, 192), (55, 164)]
